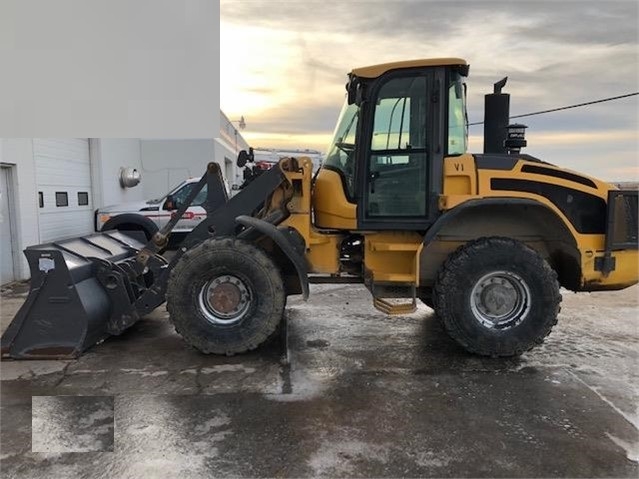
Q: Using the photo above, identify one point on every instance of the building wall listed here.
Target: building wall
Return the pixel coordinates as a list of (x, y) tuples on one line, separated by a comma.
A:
[(18, 153), (165, 163), (108, 155), (228, 145), (226, 156), (162, 165)]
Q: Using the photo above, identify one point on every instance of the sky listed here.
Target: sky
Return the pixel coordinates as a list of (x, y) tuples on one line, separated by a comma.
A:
[(284, 66)]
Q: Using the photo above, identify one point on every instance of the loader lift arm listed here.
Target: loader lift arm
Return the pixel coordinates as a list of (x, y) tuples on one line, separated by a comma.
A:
[(85, 289)]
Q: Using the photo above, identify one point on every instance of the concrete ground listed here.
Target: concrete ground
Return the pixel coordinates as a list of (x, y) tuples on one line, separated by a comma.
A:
[(360, 395)]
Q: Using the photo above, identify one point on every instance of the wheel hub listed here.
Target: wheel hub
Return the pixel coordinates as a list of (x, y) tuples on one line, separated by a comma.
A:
[(500, 300), (224, 300)]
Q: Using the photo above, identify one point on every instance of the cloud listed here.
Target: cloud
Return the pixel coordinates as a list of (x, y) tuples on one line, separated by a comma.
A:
[(590, 21), (582, 137), (284, 64)]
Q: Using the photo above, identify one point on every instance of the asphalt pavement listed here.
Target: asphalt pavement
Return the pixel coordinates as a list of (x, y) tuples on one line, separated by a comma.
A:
[(348, 392)]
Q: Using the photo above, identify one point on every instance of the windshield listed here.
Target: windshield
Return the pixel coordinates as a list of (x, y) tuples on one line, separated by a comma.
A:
[(457, 117), (341, 152)]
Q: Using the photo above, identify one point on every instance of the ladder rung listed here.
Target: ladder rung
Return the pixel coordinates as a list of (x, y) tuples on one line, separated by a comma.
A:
[(395, 277), (394, 308)]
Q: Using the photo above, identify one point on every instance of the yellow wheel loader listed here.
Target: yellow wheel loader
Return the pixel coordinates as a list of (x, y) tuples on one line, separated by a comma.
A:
[(399, 205)]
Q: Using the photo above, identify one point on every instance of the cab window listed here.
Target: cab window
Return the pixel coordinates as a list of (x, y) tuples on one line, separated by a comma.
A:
[(341, 152), (457, 131), (397, 163)]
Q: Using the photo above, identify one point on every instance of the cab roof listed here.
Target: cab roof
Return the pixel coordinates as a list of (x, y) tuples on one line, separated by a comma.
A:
[(374, 71)]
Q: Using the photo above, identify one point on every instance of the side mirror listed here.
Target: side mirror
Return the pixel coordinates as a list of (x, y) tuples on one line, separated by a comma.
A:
[(354, 91), (169, 204), (351, 89), (242, 158)]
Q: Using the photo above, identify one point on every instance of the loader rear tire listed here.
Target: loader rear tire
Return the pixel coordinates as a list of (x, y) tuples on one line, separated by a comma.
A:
[(225, 296), (497, 297)]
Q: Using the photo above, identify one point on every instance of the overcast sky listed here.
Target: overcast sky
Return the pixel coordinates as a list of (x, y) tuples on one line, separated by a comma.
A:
[(284, 65)]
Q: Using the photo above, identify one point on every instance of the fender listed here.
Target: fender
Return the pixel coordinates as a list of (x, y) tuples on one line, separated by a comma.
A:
[(287, 247), (509, 213), (146, 225), (451, 215)]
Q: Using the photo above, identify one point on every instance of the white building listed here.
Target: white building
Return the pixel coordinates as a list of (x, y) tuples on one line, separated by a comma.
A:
[(50, 188)]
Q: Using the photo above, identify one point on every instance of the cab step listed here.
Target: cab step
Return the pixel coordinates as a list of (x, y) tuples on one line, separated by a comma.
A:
[(393, 308)]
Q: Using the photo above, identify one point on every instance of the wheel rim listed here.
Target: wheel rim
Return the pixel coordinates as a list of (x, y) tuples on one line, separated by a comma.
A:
[(224, 300), (500, 300)]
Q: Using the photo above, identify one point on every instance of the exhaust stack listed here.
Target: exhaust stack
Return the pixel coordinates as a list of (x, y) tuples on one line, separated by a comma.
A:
[(496, 114)]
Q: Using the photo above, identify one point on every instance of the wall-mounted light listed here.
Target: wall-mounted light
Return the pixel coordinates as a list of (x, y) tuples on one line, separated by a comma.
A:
[(129, 177), (241, 122)]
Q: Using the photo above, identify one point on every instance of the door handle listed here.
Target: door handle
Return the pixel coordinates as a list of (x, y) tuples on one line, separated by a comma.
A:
[(372, 177)]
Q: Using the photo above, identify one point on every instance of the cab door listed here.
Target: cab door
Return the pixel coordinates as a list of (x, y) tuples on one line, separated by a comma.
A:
[(401, 150)]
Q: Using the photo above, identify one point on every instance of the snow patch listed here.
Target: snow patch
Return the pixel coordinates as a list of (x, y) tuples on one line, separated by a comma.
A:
[(223, 368), (341, 458), (145, 373), (631, 448)]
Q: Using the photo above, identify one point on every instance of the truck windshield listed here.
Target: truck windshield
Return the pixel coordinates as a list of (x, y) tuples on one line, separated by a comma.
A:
[(341, 152), (171, 192)]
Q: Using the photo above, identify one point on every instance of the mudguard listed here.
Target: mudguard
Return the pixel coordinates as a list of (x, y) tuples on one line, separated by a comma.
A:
[(519, 210), (286, 245)]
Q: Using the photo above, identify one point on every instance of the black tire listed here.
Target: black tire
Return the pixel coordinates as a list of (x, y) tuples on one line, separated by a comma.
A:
[(131, 222), (497, 270), (225, 260)]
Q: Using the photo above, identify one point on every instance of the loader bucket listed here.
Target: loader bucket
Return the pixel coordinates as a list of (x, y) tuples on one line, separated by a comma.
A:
[(70, 303)]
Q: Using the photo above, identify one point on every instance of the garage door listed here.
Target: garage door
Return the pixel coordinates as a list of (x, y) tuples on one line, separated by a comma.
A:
[(63, 178)]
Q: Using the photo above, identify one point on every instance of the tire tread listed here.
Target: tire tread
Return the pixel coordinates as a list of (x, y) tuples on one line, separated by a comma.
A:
[(477, 250), (180, 278)]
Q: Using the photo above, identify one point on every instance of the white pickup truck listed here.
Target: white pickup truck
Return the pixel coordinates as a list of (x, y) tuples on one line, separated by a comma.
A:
[(151, 215)]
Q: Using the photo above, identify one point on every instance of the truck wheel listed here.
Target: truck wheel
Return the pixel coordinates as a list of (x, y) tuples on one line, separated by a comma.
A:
[(132, 222), (497, 297), (225, 296)]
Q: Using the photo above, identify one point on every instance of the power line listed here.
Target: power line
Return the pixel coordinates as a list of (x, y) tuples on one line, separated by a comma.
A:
[(566, 107)]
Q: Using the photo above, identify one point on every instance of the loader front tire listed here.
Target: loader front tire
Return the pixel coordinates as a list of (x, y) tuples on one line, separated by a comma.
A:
[(225, 296), (497, 297)]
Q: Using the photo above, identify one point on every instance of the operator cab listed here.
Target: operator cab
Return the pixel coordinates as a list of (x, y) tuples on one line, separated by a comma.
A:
[(389, 144)]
